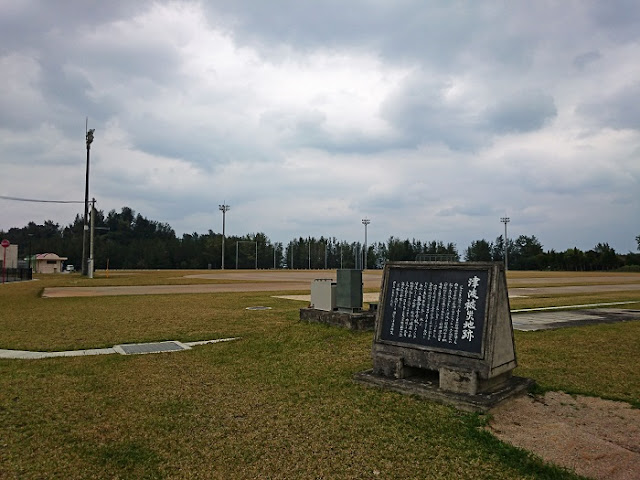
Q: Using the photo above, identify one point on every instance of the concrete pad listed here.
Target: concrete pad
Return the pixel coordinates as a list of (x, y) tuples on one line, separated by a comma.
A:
[(152, 347), (529, 321)]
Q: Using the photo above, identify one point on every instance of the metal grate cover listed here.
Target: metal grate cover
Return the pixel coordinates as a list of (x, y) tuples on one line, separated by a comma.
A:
[(157, 347)]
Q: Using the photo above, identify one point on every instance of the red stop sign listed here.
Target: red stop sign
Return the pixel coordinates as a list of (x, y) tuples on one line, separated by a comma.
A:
[(5, 243)]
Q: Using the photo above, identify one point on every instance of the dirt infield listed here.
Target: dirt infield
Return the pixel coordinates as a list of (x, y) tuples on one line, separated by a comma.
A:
[(597, 438), (300, 280), (248, 281)]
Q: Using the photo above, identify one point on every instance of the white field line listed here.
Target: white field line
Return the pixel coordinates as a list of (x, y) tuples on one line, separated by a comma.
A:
[(541, 309)]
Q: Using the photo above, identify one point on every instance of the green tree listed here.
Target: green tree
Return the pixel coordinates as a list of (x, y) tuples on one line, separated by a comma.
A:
[(574, 259), (526, 253), (479, 251), (606, 257)]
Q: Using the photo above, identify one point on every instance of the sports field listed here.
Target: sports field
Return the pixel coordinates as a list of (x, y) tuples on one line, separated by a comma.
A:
[(277, 403), (520, 284)]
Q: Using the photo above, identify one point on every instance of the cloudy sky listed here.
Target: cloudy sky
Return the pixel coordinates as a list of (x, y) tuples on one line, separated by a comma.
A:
[(433, 119)]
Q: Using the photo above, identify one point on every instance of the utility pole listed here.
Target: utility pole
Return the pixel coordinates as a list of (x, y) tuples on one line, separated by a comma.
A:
[(93, 227), (505, 220), (30, 235), (365, 222), (89, 140), (224, 208), (309, 253)]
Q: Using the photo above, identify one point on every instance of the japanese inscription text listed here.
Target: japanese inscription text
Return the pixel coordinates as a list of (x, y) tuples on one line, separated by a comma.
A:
[(436, 308)]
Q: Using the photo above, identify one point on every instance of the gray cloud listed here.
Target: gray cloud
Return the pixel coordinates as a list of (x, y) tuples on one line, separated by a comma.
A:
[(523, 112), (27, 25), (620, 19), (442, 33), (583, 60), (618, 110), (420, 112), (476, 110)]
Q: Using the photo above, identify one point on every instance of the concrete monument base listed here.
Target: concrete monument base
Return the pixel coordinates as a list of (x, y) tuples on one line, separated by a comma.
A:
[(352, 320), (447, 388)]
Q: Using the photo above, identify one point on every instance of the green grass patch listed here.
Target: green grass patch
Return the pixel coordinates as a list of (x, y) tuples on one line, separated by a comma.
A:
[(278, 403), (596, 360)]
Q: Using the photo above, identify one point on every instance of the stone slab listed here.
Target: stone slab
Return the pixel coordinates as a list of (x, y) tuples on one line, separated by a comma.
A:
[(154, 347)]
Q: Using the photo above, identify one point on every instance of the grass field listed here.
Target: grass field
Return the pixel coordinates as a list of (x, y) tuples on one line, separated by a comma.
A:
[(278, 403)]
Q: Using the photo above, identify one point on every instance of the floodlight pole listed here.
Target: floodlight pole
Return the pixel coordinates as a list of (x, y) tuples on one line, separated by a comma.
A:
[(224, 208), (93, 225), (89, 140), (505, 220), (365, 222)]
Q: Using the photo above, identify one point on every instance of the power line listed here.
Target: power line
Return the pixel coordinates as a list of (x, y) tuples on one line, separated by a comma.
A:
[(17, 199)]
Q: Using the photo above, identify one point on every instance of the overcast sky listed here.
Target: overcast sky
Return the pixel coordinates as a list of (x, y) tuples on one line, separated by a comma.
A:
[(432, 119)]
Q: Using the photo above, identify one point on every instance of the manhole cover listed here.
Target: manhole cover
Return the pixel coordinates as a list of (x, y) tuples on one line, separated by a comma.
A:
[(258, 308), (158, 347)]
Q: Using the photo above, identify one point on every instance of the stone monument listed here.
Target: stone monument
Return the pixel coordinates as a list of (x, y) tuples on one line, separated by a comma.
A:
[(443, 331)]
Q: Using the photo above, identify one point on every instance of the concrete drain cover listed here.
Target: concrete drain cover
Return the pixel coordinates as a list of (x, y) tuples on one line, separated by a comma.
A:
[(258, 308), (157, 347)]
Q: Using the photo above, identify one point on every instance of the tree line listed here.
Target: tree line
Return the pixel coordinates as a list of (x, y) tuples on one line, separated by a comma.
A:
[(128, 240), (527, 253)]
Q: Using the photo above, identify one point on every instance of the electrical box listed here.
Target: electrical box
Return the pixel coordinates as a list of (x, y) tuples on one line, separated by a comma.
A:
[(349, 290), (323, 294)]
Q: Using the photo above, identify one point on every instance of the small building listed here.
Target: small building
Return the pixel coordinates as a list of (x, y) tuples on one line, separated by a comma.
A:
[(48, 263), (11, 254)]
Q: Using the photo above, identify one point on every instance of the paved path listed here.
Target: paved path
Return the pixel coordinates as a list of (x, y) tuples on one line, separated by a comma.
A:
[(124, 349)]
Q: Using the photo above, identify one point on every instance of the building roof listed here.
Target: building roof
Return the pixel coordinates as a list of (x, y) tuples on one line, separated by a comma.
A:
[(49, 256)]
